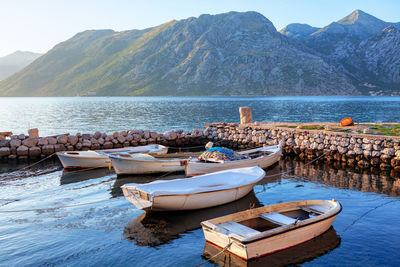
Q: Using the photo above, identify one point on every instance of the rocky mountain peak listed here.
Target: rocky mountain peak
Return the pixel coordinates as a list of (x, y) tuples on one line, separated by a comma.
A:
[(298, 31)]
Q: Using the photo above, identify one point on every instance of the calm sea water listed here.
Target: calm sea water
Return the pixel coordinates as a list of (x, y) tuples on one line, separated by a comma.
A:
[(89, 114), (82, 219), (50, 217)]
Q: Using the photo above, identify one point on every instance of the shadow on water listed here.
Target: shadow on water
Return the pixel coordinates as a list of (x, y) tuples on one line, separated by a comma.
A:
[(304, 252), (15, 169), (153, 229), (334, 175), (76, 176)]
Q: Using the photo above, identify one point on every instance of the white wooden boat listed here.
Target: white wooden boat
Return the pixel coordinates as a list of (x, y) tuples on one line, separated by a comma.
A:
[(261, 231), (199, 192), (100, 158), (262, 157), (144, 164), (293, 256)]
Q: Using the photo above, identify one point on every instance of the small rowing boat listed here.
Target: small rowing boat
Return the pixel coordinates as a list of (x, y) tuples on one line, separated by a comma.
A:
[(198, 192), (261, 231), (263, 157), (145, 164), (100, 158)]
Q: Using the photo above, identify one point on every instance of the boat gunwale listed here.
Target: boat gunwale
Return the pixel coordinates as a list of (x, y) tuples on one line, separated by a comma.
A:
[(281, 229)]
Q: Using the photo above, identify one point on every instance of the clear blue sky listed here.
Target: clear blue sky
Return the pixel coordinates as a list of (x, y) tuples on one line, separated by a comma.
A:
[(38, 25)]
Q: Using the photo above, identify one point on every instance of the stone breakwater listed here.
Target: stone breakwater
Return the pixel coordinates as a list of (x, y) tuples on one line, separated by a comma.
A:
[(30, 147), (358, 150), (350, 149)]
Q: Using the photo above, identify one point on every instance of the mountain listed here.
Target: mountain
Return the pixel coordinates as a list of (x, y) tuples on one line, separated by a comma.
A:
[(227, 54), (16, 61), (298, 31), (363, 47)]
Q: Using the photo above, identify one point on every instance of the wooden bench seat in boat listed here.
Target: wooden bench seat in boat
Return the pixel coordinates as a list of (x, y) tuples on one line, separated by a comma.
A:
[(277, 218), (238, 229)]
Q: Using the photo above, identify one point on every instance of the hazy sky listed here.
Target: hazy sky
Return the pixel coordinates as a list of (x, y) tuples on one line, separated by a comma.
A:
[(38, 25)]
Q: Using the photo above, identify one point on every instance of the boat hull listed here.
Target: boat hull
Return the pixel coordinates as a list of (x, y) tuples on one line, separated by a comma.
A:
[(194, 167), (189, 201), (125, 166), (241, 233), (69, 162), (100, 158), (272, 244)]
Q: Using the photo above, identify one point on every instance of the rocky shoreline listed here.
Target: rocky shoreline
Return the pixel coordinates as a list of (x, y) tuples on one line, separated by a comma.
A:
[(350, 149)]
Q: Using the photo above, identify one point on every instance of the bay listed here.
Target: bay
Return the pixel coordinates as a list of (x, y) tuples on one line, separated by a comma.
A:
[(57, 115)]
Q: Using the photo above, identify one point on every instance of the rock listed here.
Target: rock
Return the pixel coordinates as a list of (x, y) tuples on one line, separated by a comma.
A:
[(43, 141), (146, 134), (87, 136), (95, 147), (4, 143), (107, 145), (59, 147), (21, 137), (121, 139), (73, 140), (101, 141), (78, 146), (346, 122), (22, 150), (143, 142), (245, 115), (15, 142), (4, 151), (170, 135), (48, 149), (97, 135), (52, 140), (389, 151), (30, 142), (115, 134), (34, 132), (62, 139), (86, 143), (34, 152)]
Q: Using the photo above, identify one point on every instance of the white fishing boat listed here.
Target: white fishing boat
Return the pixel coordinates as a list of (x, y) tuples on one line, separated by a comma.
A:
[(144, 163), (194, 193), (261, 231), (262, 157), (100, 158)]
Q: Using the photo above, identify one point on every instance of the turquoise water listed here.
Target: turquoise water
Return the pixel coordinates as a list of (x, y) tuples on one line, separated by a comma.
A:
[(89, 114), (82, 219)]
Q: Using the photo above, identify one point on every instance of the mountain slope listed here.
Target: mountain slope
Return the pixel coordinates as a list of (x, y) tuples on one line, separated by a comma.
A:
[(14, 62), (226, 54), (298, 31)]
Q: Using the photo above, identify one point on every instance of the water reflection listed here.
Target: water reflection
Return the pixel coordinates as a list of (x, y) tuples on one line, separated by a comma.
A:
[(153, 229), (68, 177), (347, 178), (307, 251)]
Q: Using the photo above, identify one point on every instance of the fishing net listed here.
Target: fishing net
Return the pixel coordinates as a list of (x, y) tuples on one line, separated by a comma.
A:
[(218, 154)]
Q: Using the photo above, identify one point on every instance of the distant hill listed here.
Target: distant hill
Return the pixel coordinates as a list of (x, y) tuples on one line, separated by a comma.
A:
[(16, 61), (236, 53)]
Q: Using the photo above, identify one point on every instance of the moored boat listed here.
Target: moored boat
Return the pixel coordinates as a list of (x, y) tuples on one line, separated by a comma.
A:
[(198, 192), (145, 164), (100, 158), (262, 157), (261, 231)]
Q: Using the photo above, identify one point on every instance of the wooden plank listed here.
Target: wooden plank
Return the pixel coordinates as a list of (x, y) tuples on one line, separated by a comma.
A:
[(238, 229), (277, 218)]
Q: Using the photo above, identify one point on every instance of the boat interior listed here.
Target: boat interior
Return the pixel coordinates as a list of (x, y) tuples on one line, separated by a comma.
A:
[(265, 223)]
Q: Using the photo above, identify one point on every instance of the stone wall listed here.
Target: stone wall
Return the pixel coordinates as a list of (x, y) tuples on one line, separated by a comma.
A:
[(360, 150), (350, 149), (24, 147)]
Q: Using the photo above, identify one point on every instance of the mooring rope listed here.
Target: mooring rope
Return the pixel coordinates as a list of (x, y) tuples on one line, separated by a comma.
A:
[(222, 251)]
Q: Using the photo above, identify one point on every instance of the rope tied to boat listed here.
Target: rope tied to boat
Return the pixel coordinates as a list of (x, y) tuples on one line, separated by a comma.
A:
[(216, 255)]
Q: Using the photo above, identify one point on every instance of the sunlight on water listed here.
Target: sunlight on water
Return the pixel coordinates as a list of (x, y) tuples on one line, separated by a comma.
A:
[(89, 114)]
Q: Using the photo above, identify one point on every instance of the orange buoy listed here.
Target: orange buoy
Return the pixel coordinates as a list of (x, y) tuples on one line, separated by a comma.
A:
[(346, 122)]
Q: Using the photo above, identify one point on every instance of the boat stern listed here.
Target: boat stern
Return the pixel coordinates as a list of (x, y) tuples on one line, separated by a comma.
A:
[(137, 197)]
